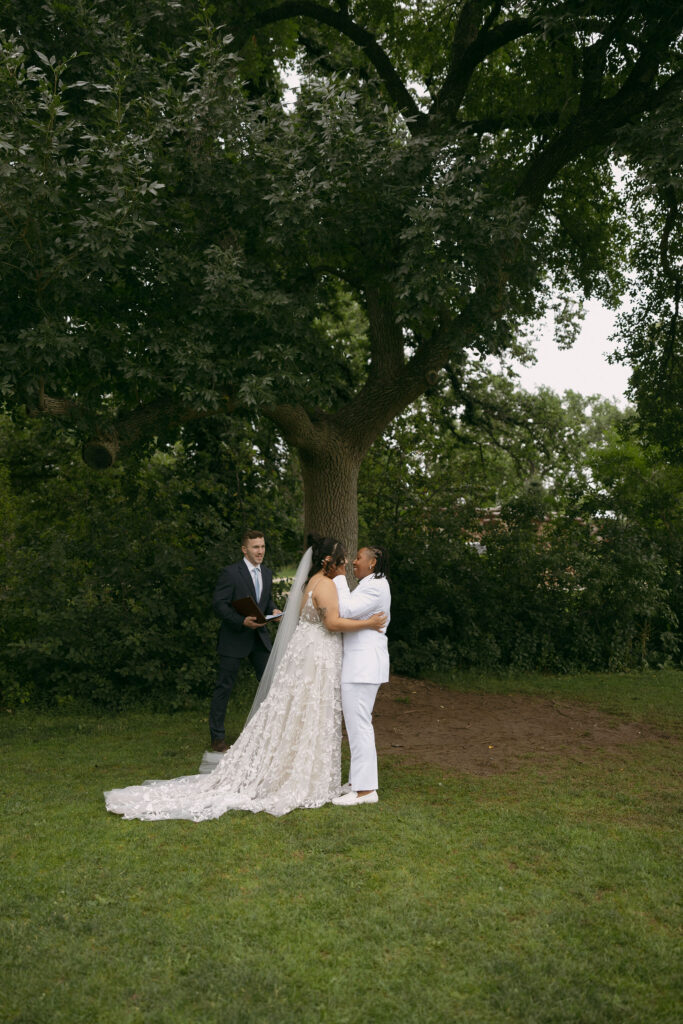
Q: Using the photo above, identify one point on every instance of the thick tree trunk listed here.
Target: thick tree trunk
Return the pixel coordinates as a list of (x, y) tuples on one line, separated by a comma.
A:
[(330, 478), (332, 446), (331, 450)]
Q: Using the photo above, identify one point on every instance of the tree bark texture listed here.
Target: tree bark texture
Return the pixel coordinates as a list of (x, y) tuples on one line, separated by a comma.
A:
[(331, 494)]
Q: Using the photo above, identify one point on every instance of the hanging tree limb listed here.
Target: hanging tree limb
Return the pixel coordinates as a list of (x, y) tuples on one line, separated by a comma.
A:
[(344, 23), (471, 46)]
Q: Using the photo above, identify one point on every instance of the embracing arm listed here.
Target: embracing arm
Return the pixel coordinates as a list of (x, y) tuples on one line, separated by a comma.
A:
[(327, 603), (363, 601)]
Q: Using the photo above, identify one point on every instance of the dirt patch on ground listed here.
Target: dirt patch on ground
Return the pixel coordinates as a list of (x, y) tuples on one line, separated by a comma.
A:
[(483, 734)]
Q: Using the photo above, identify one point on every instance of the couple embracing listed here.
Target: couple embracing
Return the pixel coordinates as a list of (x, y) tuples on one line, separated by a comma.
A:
[(289, 752)]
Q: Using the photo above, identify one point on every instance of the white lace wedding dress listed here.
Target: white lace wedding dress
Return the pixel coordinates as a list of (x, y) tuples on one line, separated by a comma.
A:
[(288, 755)]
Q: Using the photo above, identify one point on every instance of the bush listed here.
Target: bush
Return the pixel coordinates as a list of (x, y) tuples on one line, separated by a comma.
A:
[(555, 599), (582, 561), (108, 578)]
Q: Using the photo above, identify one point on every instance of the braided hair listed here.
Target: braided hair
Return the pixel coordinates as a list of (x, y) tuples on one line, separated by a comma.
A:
[(381, 561), (324, 548)]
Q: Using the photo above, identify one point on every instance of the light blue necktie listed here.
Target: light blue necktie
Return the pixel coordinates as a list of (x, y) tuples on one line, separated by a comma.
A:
[(257, 583)]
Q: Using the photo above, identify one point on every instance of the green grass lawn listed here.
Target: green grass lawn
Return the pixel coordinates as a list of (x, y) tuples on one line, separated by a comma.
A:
[(540, 896)]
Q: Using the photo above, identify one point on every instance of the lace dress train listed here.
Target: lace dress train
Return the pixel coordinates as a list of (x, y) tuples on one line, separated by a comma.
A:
[(287, 756)]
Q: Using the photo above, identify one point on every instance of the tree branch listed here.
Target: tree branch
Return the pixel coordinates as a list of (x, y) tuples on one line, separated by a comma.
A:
[(296, 425), (470, 47), (386, 336), (345, 24), (383, 397), (492, 15), (493, 124), (129, 426), (142, 423), (593, 64), (597, 126)]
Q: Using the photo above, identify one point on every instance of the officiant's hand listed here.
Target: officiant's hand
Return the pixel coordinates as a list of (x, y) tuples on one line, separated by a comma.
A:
[(251, 623)]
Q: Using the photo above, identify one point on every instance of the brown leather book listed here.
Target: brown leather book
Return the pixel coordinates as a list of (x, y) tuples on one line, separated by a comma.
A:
[(247, 606)]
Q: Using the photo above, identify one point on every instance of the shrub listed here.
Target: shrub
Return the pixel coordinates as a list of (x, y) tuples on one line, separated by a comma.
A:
[(108, 578)]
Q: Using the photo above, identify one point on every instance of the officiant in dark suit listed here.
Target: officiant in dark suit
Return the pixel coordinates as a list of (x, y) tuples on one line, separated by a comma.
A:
[(240, 636)]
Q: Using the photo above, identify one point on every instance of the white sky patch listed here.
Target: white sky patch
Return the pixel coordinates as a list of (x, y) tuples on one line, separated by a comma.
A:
[(293, 79), (584, 367)]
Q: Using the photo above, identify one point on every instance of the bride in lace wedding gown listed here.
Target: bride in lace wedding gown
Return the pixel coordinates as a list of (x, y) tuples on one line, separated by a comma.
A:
[(289, 752)]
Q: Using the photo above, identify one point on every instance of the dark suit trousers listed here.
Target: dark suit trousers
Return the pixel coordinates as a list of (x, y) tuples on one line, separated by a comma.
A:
[(227, 677)]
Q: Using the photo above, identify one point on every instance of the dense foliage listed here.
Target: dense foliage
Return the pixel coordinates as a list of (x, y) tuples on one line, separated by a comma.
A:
[(107, 578), (175, 237), (544, 537), (649, 331)]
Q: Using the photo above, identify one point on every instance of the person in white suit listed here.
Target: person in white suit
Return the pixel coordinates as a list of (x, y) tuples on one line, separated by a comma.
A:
[(365, 666)]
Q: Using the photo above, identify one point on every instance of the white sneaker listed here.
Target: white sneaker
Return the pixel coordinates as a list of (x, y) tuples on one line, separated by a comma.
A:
[(351, 799)]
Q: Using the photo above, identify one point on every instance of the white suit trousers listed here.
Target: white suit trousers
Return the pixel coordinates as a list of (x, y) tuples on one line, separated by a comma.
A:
[(358, 700)]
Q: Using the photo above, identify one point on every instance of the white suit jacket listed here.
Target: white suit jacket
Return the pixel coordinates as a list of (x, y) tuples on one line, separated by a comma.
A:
[(366, 655)]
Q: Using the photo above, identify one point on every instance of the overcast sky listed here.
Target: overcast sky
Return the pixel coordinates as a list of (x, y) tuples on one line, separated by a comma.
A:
[(582, 368)]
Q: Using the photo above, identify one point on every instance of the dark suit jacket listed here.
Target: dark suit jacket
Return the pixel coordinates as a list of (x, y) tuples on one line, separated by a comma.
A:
[(234, 639)]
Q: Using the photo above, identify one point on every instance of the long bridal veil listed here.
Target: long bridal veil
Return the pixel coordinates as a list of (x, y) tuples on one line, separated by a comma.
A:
[(288, 756), (285, 631)]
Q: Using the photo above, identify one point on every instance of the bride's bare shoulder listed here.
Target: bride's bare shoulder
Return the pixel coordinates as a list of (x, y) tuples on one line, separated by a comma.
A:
[(315, 585), (324, 590)]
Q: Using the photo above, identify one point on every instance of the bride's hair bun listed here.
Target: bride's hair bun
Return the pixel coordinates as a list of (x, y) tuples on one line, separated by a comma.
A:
[(324, 548)]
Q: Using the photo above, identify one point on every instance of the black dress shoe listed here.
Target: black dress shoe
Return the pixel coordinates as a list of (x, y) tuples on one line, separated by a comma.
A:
[(219, 746)]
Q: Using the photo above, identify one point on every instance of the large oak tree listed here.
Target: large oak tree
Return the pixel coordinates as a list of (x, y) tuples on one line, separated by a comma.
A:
[(178, 242)]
